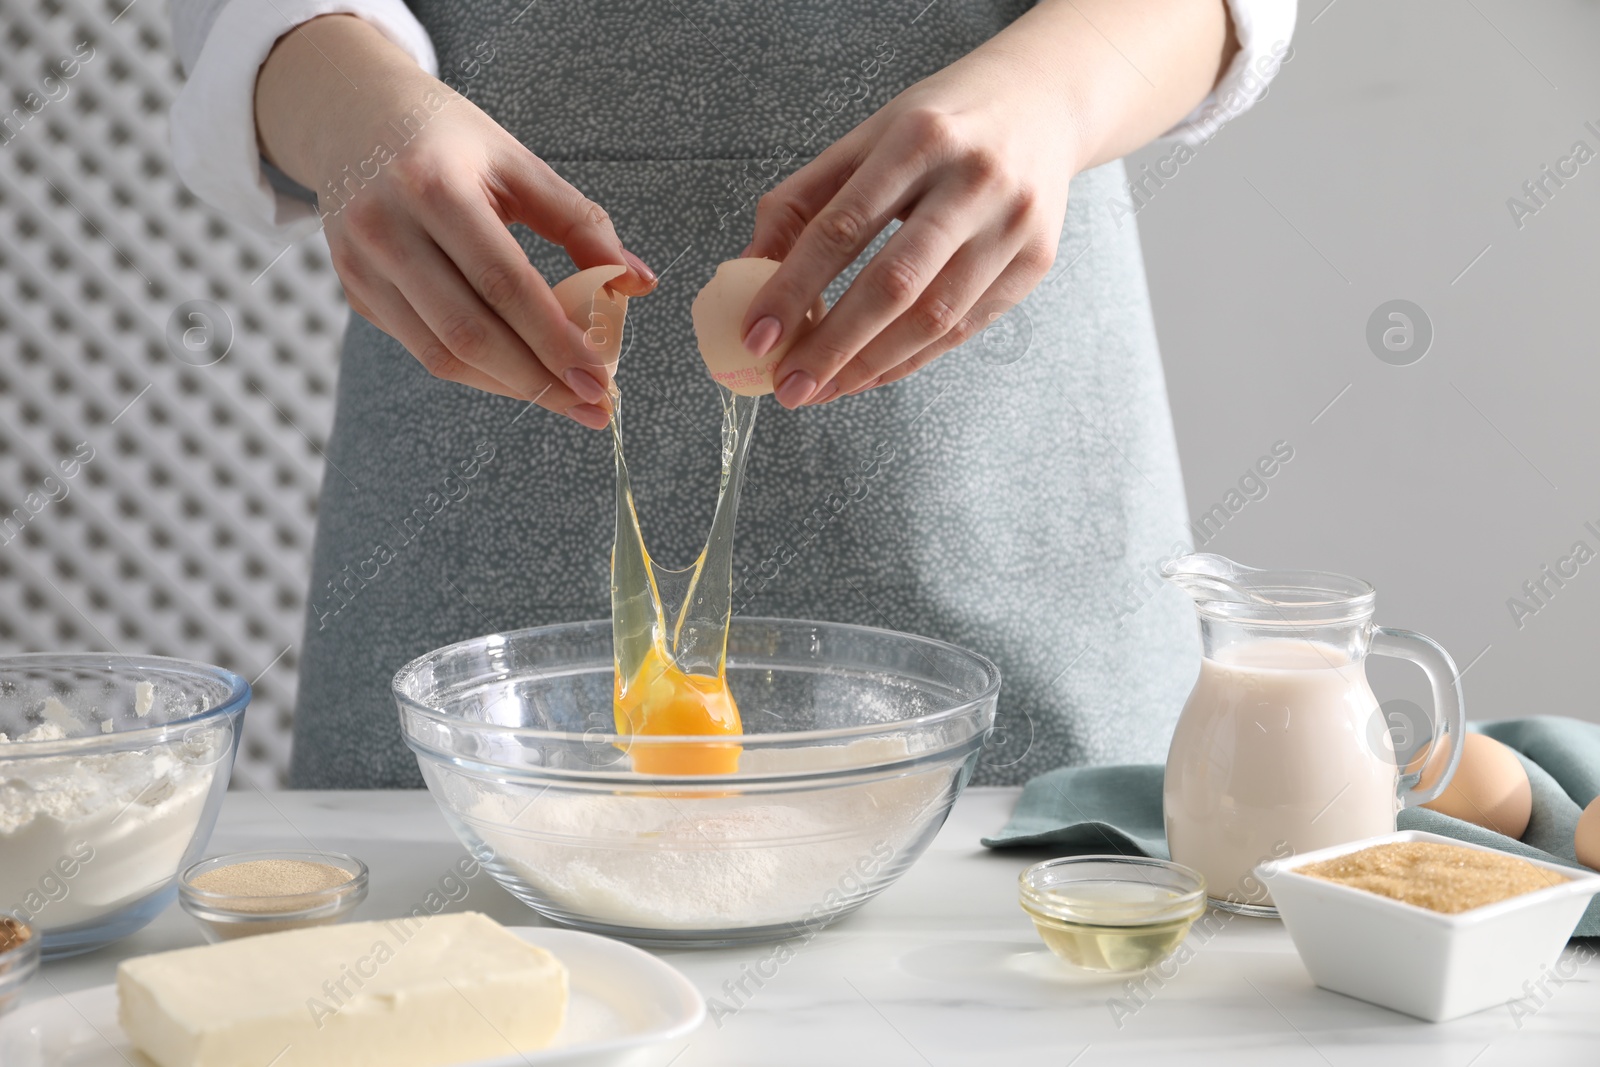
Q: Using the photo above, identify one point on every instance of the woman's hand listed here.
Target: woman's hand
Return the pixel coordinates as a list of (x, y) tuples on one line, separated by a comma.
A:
[(975, 162), (416, 187), (981, 190)]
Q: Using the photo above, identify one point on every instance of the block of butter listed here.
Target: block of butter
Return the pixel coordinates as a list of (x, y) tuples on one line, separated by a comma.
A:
[(411, 992)]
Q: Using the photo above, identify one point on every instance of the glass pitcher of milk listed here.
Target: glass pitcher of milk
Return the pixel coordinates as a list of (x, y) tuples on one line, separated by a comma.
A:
[(1282, 747)]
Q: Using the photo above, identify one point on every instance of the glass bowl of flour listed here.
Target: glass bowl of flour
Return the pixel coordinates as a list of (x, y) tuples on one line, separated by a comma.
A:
[(857, 741), (112, 769)]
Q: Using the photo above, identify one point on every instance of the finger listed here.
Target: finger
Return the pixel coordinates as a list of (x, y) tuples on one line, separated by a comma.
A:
[(535, 195), (940, 309), (912, 365), (831, 241), (446, 366), (782, 214), (403, 324), (360, 307), (484, 252), (354, 277), (1014, 283), (367, 290), (473, 334), (891, 284)]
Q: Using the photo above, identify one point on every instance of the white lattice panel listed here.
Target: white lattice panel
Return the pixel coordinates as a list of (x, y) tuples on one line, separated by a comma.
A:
[(188, 533)]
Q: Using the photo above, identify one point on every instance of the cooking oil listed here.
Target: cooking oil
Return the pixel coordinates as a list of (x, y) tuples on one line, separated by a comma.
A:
[(1111, 949), (1112, 925)]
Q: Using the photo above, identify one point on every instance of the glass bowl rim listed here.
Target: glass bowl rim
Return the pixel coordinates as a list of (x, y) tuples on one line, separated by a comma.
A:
[(236, 700), (1188, 903), (989, 692), (219, 907)]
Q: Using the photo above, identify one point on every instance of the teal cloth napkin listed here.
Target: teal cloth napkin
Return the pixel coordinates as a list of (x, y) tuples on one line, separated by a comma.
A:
[(1118, 809)]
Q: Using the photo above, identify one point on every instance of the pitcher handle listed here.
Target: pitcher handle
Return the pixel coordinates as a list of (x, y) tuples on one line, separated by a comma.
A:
[(1449, 714)]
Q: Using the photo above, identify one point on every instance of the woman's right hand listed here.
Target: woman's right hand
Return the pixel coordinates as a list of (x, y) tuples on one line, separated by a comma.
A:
[(416, 187)]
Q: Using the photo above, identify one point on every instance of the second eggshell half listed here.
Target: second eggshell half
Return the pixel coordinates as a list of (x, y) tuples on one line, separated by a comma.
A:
[(718, 312), (596, 308)]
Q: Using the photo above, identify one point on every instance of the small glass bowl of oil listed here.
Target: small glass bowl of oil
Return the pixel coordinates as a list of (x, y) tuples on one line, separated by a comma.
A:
[(1112, 914)]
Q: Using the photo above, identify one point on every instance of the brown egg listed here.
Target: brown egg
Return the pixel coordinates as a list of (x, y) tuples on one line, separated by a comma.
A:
[(1490, 788), (718, 312), (600, 310), (1587, 838)]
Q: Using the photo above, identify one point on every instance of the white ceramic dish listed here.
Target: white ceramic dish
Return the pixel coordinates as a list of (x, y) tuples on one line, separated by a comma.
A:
[(627, 1008), (1421, 962)]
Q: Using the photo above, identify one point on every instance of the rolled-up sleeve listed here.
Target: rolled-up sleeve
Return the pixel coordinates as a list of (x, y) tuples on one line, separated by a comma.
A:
[(1264, 29), (222, 44)]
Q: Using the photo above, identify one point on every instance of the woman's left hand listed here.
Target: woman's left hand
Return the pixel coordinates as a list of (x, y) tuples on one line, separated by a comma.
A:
[(978, 176), (975, 162)]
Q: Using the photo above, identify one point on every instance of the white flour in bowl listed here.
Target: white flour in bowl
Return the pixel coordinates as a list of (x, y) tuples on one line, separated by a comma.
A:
[(83, 836), (711, 862)]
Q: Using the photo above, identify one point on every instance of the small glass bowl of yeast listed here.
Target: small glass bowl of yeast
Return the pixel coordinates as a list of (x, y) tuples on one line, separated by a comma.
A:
[(245, 893), (1112, 914)]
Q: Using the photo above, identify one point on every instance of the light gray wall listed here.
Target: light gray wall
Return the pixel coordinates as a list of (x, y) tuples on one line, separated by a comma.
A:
[(1379, 168), (188, 531)]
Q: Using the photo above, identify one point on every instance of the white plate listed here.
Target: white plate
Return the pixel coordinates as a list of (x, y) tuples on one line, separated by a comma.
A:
[(625, 1007)]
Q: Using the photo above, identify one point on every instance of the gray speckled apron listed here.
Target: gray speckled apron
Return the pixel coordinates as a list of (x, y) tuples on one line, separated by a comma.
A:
[(1013, 497)]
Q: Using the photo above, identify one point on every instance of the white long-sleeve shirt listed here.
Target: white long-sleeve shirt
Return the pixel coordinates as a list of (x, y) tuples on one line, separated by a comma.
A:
[(222, 44)]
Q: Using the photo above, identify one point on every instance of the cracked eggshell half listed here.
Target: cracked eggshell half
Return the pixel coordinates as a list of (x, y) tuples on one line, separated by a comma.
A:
[(597, 309), (718, 313)]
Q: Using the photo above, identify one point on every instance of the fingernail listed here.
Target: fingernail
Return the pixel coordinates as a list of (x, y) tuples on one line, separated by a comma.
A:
[(825, 394), (762, 336), (863, 387), (796, 388), (639, 267), (584, 384), (588, 415), (747, 249)]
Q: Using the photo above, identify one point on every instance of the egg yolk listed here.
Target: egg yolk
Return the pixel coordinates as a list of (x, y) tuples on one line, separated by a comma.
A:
[(662, 700)]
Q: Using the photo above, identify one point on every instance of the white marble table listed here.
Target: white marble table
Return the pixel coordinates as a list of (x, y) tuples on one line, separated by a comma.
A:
[(942, 969)]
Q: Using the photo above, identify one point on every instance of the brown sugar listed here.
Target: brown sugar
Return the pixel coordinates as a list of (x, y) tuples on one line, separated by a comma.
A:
[(1443, 878)]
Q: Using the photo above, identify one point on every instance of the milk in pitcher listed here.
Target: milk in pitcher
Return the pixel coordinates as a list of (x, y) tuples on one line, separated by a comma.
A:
[(1282, 747), (1272, 757)]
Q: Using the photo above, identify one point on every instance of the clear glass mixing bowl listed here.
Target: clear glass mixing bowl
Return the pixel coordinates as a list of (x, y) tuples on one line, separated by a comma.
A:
[(112, 769), (858, 741)]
